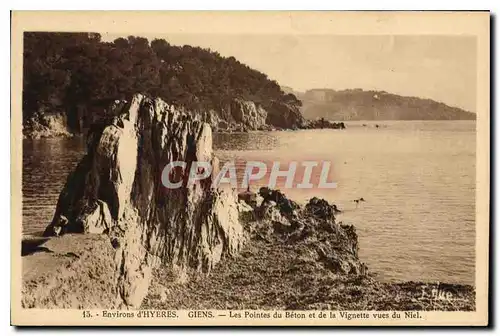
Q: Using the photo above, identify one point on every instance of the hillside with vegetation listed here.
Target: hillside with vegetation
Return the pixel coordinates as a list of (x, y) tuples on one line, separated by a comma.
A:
[(358, 104), (70, 79)]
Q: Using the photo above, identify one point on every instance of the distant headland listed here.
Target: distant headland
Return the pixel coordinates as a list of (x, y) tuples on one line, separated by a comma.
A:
[(359, 104)]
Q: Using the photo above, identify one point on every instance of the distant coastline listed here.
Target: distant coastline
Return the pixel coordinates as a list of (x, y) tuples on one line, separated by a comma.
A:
[(359, 104)]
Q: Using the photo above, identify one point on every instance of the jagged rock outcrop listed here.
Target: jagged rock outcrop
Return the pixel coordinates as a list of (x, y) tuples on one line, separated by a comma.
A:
[(246, 115), (240, 116), (312, 229), (117, 189)]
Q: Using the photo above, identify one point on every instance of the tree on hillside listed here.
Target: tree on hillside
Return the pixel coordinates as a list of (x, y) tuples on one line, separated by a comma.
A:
[(74, 72)]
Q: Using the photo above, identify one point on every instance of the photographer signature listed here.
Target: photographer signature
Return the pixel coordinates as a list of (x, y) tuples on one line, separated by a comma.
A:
[(438, 293)]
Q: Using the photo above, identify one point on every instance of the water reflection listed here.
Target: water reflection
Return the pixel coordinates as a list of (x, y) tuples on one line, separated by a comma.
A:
[(245, 141)]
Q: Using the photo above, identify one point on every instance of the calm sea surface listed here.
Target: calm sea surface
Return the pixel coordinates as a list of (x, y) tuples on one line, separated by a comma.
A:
[(417, 177)]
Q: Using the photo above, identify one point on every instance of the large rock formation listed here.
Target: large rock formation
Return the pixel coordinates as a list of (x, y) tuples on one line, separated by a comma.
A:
[(312, 229), (240, 116), (298, 258), (248, 113), (117, 190)]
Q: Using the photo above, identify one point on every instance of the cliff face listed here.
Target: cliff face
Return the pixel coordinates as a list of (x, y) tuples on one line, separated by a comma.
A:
[(117, 190), (240, 116), (246, 115), (296, 258), (255, 116)]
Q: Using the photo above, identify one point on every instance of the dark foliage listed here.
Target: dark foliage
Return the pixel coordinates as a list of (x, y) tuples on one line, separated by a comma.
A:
[(78, 74)]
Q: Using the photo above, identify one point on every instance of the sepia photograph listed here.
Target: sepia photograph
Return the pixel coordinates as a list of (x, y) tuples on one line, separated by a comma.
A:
[(287, 174)]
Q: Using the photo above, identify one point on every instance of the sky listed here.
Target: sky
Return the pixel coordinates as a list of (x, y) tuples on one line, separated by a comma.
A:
[(442, 68)]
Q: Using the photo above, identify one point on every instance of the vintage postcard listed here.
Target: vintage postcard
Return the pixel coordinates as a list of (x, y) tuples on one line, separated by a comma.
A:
[(250, 168)]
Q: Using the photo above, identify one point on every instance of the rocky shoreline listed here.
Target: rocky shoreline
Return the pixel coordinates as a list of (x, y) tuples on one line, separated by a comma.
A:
[(291, 260), (55, 128), (298, 258), (119, 239), (243, 116)]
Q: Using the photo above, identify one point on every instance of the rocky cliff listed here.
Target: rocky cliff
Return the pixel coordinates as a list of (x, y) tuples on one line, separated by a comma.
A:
[(298, 258), (117, 190), (240, 116)]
